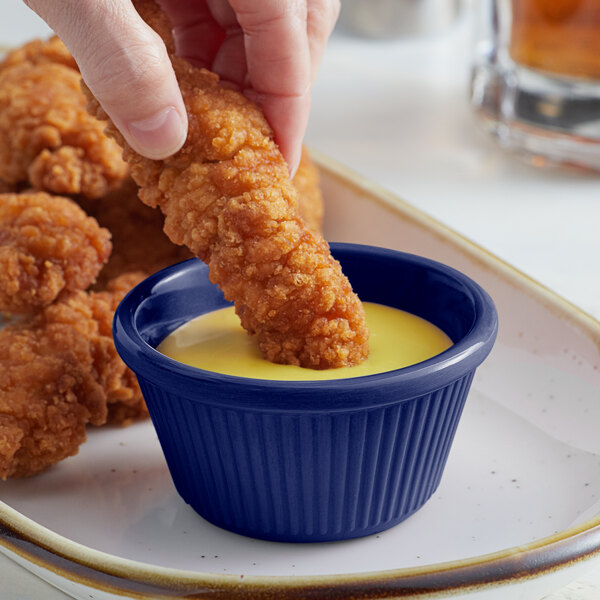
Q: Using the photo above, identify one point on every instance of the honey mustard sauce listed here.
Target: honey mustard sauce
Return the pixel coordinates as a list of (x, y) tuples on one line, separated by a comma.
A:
[(216, 342)]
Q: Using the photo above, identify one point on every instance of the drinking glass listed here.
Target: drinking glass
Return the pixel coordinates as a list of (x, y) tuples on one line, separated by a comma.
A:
[(535, 82)]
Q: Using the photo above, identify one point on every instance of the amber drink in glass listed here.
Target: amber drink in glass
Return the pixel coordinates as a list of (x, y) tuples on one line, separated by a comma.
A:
[(536, 78)]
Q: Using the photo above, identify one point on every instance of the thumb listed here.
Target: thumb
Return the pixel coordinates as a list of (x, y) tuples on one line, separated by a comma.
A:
[(126, 66)]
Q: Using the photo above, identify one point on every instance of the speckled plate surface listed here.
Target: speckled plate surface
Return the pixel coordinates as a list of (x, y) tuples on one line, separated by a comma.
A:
[(516, 515)]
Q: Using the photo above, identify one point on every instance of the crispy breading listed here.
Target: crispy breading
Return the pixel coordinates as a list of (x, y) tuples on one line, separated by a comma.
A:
[(48, 394), (92, 315), (48, 139), (48, 245), (60, 371), (39, 52), (138, 240)]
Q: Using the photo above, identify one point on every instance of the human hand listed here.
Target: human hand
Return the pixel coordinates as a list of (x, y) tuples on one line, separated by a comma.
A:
[(269, 49)]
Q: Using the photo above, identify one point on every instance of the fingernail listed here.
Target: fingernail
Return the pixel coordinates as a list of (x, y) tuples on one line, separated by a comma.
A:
[(292, 158), (160, 135), (293, 166)]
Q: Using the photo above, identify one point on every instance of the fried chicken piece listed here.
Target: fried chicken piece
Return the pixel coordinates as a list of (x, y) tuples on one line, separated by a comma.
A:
[(48, 245), (227, 196), (91, 315), (47, 396), (139, 243), (60, 371), (39, 52), (48, 139), (310, 198), (124, 398)]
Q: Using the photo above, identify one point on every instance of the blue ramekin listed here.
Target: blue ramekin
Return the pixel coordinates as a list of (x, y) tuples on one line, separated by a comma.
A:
[(308, 461)]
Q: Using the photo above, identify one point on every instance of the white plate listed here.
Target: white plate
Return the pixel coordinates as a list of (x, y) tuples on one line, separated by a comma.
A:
[(516, 514)]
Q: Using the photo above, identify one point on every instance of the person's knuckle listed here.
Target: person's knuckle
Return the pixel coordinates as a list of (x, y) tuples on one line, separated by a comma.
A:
[(260, 17)]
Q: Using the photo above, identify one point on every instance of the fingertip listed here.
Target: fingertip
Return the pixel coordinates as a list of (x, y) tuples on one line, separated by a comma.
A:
[(289, 134), (288, 118)]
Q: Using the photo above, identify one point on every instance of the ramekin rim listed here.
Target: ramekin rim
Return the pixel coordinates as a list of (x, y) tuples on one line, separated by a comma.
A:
[(482, 330)]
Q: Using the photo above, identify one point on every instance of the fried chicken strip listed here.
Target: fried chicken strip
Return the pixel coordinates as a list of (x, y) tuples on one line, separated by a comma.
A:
[(139, 242), (48, 245), (226, 195), (47, 138), (60, 371)]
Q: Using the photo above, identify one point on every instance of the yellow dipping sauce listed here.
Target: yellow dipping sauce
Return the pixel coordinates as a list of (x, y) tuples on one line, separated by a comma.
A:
[(216, 342)]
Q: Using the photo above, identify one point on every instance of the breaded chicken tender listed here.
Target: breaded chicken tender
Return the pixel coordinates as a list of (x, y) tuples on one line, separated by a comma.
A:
[(48, 245), (226, 195), (48, 139), (139, 242), (60, 372)]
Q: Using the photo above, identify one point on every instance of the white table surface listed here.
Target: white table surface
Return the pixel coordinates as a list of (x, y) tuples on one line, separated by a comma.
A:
[(397, 112)]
